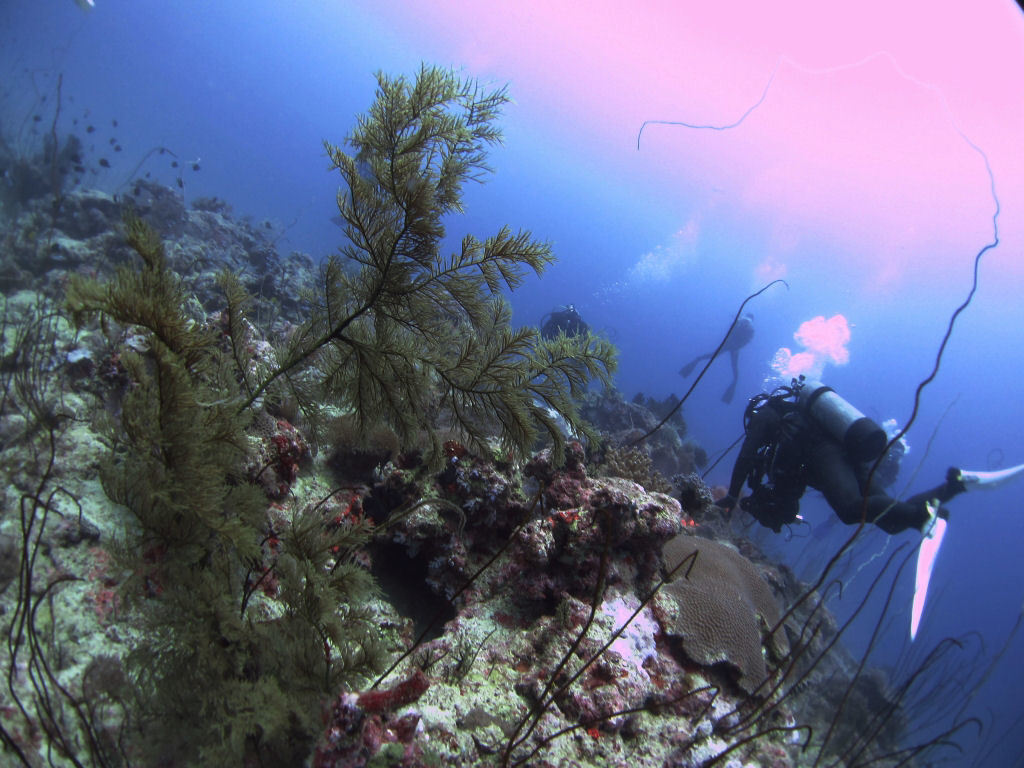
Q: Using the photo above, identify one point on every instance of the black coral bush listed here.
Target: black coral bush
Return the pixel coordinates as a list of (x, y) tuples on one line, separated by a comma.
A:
[(405, 334), (217, 676)]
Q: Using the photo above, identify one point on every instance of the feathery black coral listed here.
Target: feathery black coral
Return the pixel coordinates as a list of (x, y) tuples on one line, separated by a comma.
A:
[(215, 678), (407, 335)]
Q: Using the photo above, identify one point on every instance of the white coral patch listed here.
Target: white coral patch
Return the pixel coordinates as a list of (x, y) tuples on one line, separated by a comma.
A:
[(636, 643)]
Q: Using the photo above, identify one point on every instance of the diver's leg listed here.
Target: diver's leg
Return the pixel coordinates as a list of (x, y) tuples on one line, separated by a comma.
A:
[(687, 369), (831, 473), (952, 487), (734, 358), (893, 516), (840, 483)]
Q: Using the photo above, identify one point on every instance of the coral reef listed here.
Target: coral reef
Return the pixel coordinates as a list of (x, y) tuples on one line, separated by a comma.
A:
[(542, 532), (633, 464), (621, 424), (517, 621)]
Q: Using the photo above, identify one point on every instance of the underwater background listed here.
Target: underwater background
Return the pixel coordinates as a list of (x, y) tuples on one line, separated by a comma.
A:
[(857, 152)]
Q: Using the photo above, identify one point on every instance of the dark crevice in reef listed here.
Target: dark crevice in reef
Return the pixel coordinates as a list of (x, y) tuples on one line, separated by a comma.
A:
[(403, 580)]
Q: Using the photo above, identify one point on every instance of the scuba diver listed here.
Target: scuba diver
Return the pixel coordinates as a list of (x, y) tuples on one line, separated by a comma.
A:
[(738, 337), (567, 321), (807, 435)]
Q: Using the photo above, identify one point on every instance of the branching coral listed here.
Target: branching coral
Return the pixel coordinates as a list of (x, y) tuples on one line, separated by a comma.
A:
[(633, 464)]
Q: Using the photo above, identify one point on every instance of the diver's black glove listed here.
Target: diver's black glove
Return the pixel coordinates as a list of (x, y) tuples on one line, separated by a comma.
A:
[(727, 503)]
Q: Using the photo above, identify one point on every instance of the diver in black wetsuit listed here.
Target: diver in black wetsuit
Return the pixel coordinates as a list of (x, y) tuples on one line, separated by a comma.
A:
[(806, 435), (567, 321), (738, 337)]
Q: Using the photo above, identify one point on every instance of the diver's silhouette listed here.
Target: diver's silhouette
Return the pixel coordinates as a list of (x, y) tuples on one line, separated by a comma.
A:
[(567, 321), (738, 337)]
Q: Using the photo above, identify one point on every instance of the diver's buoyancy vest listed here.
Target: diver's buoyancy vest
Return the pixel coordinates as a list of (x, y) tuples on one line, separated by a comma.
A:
[(860, 436)]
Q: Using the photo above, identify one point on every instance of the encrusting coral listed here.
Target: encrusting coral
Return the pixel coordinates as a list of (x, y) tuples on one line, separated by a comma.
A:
[(620, 423), (633, 464)]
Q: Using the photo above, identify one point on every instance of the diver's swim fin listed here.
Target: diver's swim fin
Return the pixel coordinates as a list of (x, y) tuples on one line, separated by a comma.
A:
[(934, 532), (987, 480)]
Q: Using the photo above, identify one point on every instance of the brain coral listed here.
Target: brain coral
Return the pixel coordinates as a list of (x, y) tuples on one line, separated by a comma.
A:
[(721, 607)]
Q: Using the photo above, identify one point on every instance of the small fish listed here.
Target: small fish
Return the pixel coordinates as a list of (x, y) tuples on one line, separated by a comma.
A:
[(76, 158), (36, 118), (148, 174), (267, 225), (117, 147), (135, 191), (174, 164), (113, 142), (162, 150), (79, 169), (104, 162), (90, 129), (181, 183), (114, 123), (85, 5), (195, 166)]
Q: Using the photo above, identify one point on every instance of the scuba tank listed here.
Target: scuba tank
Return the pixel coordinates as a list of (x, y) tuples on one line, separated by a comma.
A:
[(862, 438)]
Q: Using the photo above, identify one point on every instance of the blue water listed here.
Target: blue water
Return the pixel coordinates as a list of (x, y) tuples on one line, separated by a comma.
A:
[(250, 90)]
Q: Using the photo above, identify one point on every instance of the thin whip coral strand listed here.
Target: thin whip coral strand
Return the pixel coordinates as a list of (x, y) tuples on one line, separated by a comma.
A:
[(939, 352), (469, 582), (867, 653), (546, 701), (714, 355)]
